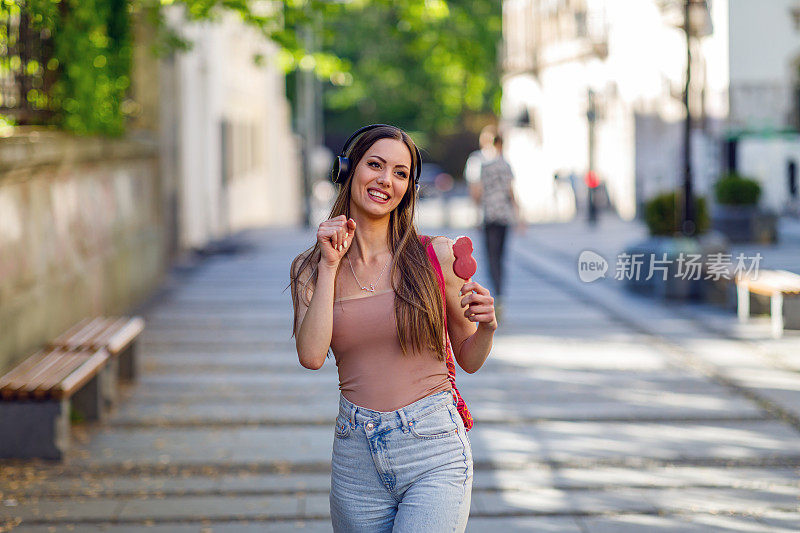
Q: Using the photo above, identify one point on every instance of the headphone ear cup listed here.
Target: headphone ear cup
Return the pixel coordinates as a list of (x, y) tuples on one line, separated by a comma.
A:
[(341, 168), (344, 168), (417, 170)]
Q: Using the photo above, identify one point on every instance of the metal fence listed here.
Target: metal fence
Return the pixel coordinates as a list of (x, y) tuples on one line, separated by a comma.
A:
[(27, 67)]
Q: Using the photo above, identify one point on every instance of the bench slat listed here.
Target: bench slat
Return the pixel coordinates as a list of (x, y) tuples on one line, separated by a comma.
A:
[(33, 382), (115, 334), (102, 338), (82, 375), (65, 337), (85, 336), (68, 364), (125, 335), (22, 368), (20, 383), (771, 281)]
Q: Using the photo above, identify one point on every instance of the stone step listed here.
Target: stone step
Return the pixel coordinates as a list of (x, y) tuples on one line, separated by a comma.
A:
[(507, 380), (67, 486), (544, 502), (768, 522), (212, 343), (299, 447), (240, 526), (502, 409), (245, 320)]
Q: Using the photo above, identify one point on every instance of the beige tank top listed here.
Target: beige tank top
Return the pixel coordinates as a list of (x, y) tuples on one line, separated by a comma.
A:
[(373, 372)]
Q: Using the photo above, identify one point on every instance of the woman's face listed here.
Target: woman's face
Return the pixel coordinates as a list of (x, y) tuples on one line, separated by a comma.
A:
[(381, 178)]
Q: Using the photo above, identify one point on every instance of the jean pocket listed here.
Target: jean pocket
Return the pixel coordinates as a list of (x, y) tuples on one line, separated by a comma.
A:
[(342, 428), (435, 425)]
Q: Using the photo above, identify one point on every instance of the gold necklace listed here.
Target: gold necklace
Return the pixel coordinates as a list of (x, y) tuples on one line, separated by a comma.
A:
[(371, 287)]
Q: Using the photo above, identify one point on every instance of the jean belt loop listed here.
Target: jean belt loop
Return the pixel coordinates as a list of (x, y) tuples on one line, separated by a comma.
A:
[(353, 417), (403, 420)]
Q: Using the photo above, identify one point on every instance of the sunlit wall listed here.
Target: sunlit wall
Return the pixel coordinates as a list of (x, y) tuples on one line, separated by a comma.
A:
[(236, 155)]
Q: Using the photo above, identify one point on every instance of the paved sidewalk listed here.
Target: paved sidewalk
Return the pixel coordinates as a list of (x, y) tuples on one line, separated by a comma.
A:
[(598, 411)]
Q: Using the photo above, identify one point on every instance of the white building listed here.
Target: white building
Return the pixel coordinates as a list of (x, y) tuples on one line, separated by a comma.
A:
[(764, 71), (229, 125), (631, 55)]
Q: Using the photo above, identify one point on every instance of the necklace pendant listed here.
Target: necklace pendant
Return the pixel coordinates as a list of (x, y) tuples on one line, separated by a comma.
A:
[(371, 287)]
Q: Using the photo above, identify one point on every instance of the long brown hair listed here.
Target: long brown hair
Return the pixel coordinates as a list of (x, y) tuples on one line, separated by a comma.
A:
[(419, 307)]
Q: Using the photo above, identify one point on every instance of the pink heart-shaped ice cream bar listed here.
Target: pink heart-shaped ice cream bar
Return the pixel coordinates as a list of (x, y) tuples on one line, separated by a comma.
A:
[(465, 265)]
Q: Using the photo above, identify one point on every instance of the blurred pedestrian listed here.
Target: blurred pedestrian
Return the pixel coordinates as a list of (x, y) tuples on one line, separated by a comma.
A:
[(401, 458), (485, 152), (591, 190), (493, 189)]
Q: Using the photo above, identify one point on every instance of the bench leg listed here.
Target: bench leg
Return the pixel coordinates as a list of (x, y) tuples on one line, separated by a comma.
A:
[(129, 363), (776, 313), (109, 383), (90, 401), (743, 307), (34, 429)]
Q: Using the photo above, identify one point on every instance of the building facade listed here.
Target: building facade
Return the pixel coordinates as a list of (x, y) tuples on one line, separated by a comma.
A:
[(598, 84), (226, 128)]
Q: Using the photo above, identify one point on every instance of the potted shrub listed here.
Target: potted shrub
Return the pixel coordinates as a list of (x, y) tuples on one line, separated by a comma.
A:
[(663, 215), (737, 215)]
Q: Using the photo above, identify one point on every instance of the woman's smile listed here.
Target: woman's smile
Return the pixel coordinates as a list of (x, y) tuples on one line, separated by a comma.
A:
[(378, 196)]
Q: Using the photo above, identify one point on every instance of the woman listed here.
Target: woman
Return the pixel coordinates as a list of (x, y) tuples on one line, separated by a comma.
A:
[(368, 291)]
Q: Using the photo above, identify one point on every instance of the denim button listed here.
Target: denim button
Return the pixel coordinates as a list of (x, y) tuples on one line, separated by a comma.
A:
[(370, 425)]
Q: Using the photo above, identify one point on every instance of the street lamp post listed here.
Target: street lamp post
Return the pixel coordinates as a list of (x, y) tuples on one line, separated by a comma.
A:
[(697, 25), (309, 118), (688, 225)]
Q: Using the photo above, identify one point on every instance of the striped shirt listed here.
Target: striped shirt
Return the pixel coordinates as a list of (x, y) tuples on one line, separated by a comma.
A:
[(496, 198)]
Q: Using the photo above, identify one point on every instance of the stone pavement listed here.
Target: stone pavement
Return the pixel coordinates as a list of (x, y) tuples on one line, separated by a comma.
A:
[(598, 411)]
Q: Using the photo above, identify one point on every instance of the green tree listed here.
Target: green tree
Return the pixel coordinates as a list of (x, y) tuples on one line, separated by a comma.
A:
[(423, 64), (91, 42), (426, 65)]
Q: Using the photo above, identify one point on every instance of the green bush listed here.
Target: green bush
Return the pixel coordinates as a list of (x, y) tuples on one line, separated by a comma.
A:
[(734, 189), (91, 54), (663, 214)]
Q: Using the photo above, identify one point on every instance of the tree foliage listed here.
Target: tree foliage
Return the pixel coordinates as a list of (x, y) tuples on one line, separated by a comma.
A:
[(91, 50), (422, 64)]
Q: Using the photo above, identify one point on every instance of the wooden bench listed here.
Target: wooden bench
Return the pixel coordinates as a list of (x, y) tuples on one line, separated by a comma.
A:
[(116, 334), (79, 371), (772, 283), (36, 398)]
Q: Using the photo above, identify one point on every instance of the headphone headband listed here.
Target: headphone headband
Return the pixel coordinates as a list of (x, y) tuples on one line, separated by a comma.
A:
[(341, 166)]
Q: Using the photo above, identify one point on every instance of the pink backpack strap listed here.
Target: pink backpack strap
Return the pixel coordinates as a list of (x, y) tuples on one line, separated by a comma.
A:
[(463, 410), (428, 242)]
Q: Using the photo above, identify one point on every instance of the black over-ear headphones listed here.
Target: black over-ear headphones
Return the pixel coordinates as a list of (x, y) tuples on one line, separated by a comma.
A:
[(341, 166)]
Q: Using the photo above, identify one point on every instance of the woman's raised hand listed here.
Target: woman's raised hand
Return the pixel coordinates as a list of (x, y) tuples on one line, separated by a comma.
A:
[(335, 236)]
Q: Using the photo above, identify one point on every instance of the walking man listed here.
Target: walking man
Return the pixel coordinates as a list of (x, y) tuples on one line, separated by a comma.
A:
[(491, 184)]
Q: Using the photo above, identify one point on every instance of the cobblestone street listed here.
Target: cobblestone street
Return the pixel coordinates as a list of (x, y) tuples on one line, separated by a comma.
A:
[(597, 411)]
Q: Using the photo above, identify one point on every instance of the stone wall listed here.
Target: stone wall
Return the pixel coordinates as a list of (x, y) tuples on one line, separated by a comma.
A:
[(82, 233)]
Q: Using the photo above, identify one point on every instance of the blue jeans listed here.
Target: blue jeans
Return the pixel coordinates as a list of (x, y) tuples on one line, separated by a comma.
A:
[(408, 470)]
